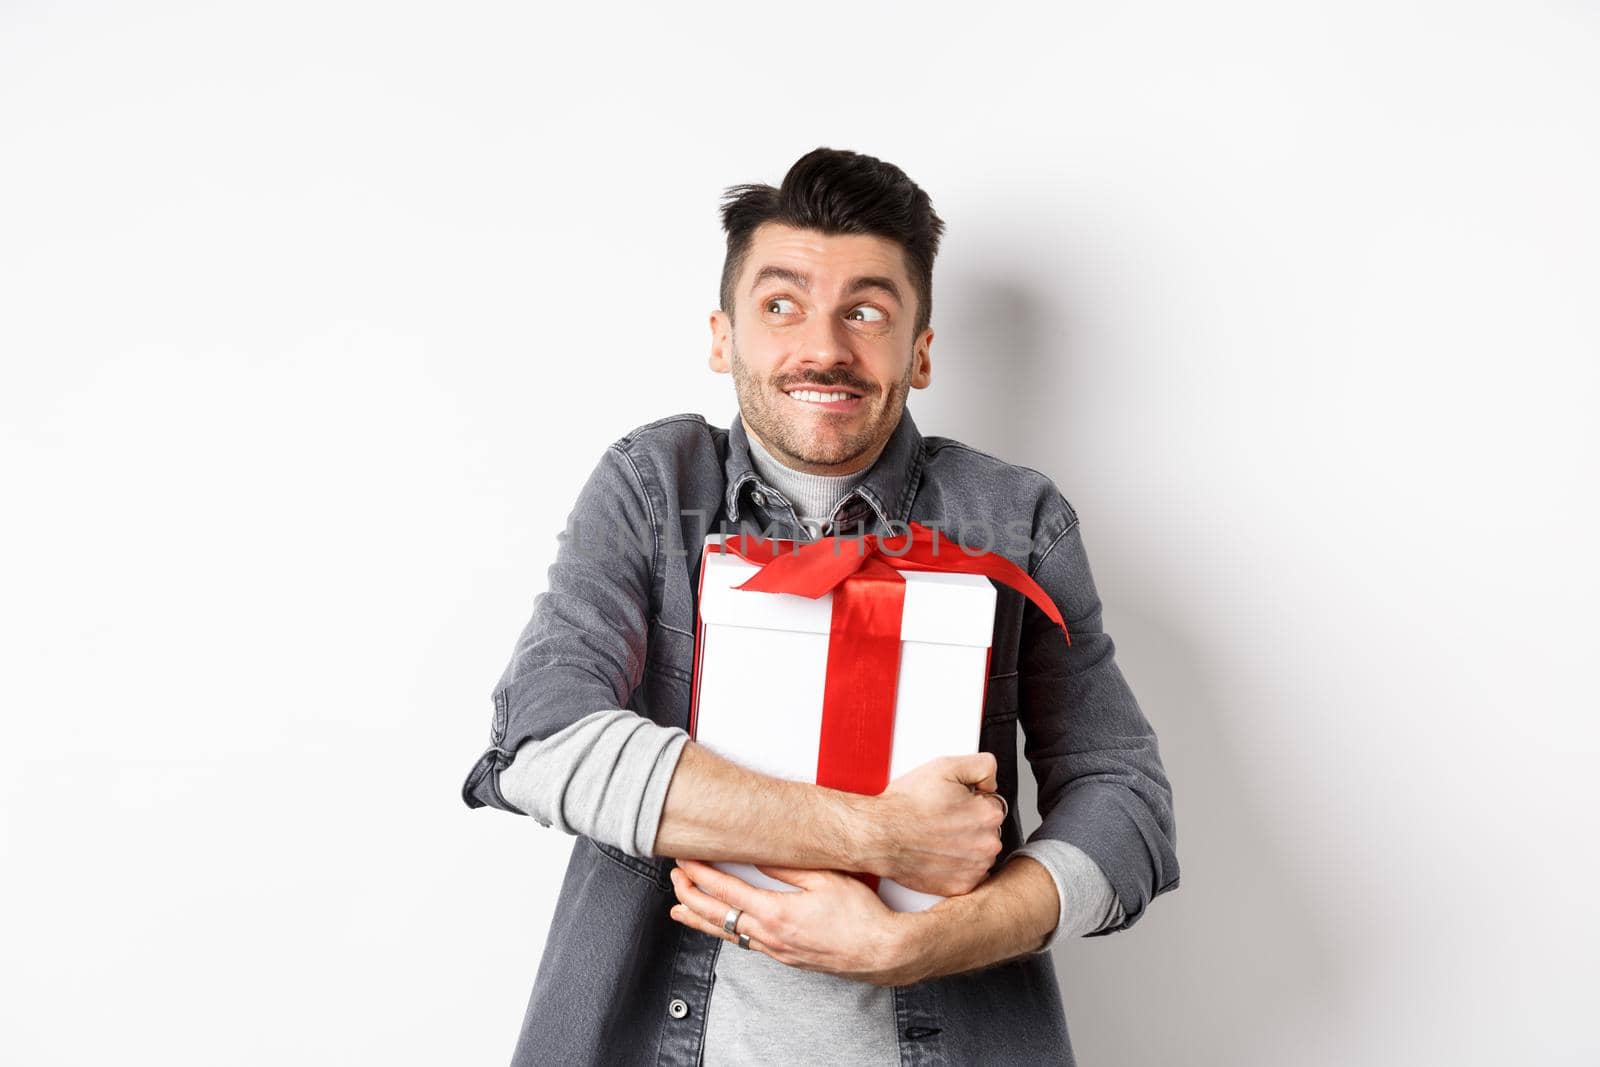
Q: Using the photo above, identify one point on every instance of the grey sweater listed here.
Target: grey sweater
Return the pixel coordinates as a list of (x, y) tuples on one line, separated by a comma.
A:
[(606, 776)]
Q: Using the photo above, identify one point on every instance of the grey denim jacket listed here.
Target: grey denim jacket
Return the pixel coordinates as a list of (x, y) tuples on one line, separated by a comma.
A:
[(620, 982)]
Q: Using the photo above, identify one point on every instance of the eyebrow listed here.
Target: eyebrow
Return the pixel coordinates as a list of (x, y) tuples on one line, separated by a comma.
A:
[(795, 278)]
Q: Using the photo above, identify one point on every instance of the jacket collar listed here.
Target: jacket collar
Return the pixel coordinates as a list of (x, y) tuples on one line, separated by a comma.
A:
[(885, 493)]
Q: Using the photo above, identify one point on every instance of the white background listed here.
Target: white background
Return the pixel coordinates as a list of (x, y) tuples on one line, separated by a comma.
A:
[(315, 315)]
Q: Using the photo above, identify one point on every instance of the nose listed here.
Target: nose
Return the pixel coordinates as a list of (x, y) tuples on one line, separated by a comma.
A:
[(825, 343)]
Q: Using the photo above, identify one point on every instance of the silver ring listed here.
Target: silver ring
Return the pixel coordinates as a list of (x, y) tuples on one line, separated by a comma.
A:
[(744, 941), (732, 920), (1005, 809)]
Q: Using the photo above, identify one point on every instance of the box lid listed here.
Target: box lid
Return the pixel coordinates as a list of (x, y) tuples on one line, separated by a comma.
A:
[(953, 609)]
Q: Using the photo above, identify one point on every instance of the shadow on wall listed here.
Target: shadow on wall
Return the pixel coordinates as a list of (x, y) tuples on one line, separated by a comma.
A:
[(1234, 966)]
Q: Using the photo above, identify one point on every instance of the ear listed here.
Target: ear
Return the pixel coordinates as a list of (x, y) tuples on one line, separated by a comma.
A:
[(721, 342), (922, 363)]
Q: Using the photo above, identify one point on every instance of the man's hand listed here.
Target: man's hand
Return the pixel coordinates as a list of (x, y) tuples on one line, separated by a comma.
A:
[(838, 925), (833, 924), (942, 836)]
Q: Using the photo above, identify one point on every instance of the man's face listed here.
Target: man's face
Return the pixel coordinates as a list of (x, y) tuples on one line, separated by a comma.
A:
[(821, 316)]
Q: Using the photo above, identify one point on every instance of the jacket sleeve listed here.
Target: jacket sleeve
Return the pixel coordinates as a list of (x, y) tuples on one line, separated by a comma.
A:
[(583, 649), (1102, 786)]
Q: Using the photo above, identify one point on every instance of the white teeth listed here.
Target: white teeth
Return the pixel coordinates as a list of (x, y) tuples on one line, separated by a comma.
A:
[(818, 398)]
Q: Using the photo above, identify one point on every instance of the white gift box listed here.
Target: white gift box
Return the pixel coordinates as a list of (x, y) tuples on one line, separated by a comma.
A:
[(761, 663)]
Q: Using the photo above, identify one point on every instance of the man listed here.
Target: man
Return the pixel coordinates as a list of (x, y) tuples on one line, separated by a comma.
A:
[(824, 326)]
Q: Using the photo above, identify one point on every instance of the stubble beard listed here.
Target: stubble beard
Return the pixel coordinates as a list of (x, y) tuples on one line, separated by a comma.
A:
[(759, 408)]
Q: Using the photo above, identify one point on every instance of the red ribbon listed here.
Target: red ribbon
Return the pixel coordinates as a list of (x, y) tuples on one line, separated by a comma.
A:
[(863, 573)]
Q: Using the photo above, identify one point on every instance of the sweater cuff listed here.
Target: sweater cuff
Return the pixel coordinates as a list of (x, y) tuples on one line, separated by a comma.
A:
[(1088, 903), (654, 799), (604, 776)]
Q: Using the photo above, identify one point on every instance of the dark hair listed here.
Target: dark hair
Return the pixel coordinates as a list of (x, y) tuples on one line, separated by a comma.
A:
[(835, 192)]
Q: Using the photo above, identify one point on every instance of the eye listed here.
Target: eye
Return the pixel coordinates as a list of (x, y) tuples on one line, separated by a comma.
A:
[(777, 300), (873, 311)]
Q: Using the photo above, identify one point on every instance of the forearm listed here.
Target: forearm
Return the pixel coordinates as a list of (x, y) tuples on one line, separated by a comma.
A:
[(1010, 915), (718, 810)]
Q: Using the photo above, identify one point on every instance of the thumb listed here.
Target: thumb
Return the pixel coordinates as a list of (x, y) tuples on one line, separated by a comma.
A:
[(978, 771)]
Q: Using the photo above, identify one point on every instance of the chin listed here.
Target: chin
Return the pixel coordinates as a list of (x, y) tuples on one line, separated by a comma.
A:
[(843, 452)]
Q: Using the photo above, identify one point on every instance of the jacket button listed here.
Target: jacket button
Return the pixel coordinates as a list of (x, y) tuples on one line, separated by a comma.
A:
[(759, 498), (678, 1008)]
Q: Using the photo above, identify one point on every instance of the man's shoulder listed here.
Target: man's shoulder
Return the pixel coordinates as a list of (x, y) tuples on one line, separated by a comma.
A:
[(979, 487), (683, 451), (687, 428)]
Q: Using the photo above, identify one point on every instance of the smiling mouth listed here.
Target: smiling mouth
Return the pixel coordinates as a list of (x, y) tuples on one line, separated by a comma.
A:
[(828, 399)]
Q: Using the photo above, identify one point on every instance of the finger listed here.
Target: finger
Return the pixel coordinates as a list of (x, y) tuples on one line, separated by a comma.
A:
[(978, 771), (695, 921), (724, 886), (706, 905), (1005, 808), (680, 882)]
